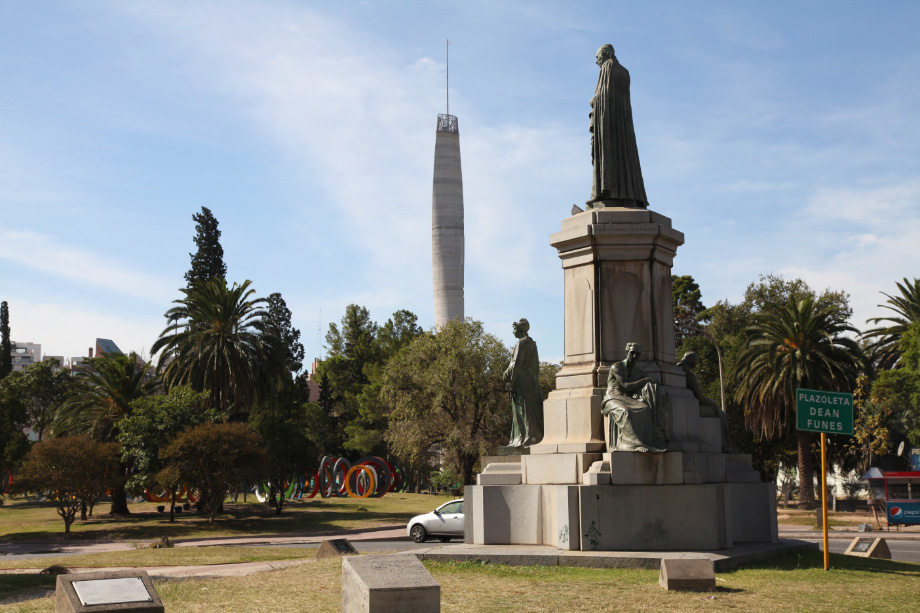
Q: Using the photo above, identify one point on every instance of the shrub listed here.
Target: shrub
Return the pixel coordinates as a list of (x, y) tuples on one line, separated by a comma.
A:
[(72, 471), (213, 458)]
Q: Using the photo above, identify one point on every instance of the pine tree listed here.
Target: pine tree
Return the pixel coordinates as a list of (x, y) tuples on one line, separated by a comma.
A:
[(688, 307), (6, 347), (279, 316), (208, 261)]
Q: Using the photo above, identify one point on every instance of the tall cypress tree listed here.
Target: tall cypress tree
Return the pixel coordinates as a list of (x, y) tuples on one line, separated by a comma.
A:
[(280, 317), (208, 261), (6, 347)]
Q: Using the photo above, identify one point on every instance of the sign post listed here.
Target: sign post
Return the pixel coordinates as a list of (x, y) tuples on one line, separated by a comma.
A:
[(827, 413)]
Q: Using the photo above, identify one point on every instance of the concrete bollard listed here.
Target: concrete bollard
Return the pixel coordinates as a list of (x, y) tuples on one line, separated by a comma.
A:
[(692, 575), (397, 583)]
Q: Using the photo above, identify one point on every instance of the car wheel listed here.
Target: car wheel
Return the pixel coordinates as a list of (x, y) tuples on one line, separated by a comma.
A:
[(418, 533), (444, 539)]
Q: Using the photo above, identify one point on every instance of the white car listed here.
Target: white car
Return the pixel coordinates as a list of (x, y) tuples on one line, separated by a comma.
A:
[(445, 523)]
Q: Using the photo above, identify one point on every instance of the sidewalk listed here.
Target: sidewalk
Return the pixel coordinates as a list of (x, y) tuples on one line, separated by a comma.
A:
[(904, 533), (384, 533)]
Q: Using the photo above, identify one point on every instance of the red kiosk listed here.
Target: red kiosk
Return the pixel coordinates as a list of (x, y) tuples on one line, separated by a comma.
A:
[(899, 492)]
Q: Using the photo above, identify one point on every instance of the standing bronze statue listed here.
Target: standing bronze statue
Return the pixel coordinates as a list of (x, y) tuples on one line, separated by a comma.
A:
[(617, 174), (708, 406), (523, 377), (636, 405)]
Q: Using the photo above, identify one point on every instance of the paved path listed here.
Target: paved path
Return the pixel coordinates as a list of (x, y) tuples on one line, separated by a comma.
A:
[(389, 538)]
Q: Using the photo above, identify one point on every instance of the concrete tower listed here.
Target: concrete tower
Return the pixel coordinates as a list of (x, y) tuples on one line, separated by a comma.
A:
[(447, 222)]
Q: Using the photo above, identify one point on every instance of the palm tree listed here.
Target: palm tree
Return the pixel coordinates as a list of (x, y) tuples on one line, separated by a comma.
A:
[(220, 342), (907, 311), (103, 394), (796, 344), (101, 397)]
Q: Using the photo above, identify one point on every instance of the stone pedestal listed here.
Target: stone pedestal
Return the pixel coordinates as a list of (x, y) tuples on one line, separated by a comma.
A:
[(616, 266), (570, 492)]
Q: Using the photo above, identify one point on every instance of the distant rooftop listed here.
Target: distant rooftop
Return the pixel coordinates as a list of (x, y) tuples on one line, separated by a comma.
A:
[(104, 345)]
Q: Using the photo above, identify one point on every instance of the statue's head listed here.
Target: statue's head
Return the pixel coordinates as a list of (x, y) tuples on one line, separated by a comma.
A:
[(691, 359), (604, 53), (633, 351), (520, 327)]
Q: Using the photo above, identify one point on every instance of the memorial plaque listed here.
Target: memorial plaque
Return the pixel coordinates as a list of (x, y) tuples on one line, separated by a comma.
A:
[(343, 546), (868, 547), (862, 545), (111, 591), (335, 548)]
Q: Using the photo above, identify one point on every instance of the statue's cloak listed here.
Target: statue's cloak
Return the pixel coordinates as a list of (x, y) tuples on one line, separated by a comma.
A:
[(617, 173), (526, 397)]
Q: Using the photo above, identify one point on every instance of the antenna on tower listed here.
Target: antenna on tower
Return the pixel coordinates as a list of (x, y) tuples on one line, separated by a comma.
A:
[(319, 330), (447, 93)]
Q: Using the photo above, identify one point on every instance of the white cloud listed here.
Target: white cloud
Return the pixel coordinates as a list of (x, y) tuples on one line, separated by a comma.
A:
[(67, 330), (362, 121), (861, 240), (47, 254), (882, 208)]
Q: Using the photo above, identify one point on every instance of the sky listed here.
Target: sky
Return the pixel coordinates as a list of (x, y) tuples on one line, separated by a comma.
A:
[(780, 137)]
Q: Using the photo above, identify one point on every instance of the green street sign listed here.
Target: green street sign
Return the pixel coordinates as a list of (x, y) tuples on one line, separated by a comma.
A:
[(830, 412)]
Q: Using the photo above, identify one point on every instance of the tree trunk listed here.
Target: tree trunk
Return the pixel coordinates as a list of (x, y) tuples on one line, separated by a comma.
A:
[(172, 506), (806, 471), (83, 511), (119, 501), (469, 462)]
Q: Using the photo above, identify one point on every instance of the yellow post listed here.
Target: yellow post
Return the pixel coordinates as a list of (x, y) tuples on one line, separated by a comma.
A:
[(827, 555)]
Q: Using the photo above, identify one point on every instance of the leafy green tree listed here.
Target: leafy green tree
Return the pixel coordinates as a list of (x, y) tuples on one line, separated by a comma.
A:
[(280, 420), (325, 428), (788, 346), (774, 289), (446, 393), (547, 377), (102, 395), (101, 399), (6, 347), (689, 312), (72, 471), (351, 378), (13, 418), (871, 435), (401, 329), (42, 387), (354, 346), (896, 393), (152, 424), (208, 260), (220, 342), (883, 340), (726, 323), (215, 457), (279, 317), (364, 432)]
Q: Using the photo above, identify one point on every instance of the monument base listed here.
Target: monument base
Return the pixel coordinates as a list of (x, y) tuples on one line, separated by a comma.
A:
[(621, 501)]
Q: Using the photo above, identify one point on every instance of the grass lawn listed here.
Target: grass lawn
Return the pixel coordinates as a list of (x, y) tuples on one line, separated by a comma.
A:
[(801, 517), (794, 583), (22, 520), (183, 556)]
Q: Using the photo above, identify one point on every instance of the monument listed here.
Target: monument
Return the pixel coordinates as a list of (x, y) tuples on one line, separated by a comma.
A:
[(447, 221), (628, 462)]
